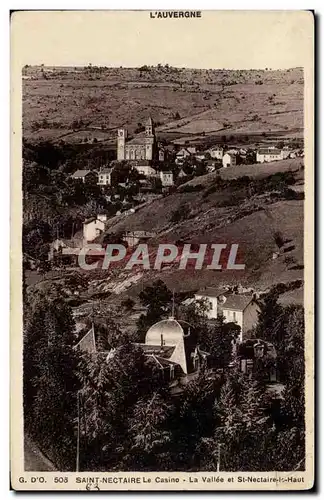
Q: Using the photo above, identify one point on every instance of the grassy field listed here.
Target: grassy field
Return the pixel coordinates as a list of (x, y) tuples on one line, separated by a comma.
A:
[(185, 102)]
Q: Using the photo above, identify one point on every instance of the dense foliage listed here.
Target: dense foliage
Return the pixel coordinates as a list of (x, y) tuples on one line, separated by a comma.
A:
[(126, 417)]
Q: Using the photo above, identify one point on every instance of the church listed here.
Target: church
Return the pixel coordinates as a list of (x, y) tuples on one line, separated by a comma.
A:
[(142, 148)]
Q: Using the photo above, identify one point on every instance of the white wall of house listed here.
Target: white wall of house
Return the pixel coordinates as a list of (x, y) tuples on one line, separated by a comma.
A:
[(166, 178), (92, 229), (228, 160), (104, 179), (269, 157), (246, 319), (216, 154)]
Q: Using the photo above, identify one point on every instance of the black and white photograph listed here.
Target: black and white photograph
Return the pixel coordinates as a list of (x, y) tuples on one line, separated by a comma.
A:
[(164, 286)]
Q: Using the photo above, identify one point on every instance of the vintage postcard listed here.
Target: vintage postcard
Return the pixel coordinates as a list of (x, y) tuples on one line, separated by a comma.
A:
[(162, 251)]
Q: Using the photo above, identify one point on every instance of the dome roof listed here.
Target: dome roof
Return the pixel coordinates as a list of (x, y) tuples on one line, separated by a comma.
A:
[(170, 329)]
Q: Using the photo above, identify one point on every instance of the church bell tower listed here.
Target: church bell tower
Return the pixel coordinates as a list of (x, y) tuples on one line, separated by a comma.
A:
[(121, 137), (149, 131)]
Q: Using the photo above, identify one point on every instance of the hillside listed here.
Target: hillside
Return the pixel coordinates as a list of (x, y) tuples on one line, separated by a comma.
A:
[(250, 212), (227, 215), (77, 104)]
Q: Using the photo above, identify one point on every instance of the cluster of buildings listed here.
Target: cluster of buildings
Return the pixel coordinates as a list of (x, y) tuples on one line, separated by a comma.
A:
[(148, 157), (143, 153), (172, 347), (217, 157), (103, 177)]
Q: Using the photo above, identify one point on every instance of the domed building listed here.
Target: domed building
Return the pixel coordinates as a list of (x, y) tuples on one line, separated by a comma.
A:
[(172, 345)]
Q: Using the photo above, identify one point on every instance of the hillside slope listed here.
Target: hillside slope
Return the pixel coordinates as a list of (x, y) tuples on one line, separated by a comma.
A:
[(185, 102), (227, 216)]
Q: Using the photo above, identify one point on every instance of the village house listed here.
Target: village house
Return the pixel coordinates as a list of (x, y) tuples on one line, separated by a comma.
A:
[(240, 309), (184, 154), (133, 238), (85, 176), (247, 354), (216, 152), (285, 152), (229, 160), (104, 177), (93, 227), (236, 308), (166, 178), (144, 167), (265, 155)]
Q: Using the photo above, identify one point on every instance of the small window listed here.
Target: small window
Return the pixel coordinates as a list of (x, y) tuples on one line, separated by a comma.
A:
[(234, 316)]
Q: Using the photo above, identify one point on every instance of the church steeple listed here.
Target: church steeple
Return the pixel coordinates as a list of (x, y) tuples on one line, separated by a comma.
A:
[(149, 127)]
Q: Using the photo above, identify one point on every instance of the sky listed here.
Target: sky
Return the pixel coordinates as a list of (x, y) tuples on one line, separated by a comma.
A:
[(219, 39)]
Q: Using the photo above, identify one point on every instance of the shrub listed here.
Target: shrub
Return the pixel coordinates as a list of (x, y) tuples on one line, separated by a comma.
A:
[(279, 240), (191, 189), (210, 190), (128, 303), (180, 214)]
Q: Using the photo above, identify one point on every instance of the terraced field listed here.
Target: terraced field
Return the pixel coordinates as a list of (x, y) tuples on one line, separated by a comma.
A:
[(185, 103)]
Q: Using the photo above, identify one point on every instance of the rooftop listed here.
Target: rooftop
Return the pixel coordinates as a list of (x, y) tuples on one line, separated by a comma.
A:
[(87, 343), (210, 292), (149, 122), (105, 170), (81, 173), (190, 150), (140, 139), (170, 329), (237, 302), (90, 219)]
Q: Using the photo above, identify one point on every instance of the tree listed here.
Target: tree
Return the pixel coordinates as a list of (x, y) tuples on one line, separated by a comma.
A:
[(194, 411), (109, 384), (157, 299), (269, 319), (243, 429), (150, 433), (218, 341), (50, 384)]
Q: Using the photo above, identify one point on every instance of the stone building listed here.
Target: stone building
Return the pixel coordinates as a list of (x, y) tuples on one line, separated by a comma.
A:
[(142, 147)]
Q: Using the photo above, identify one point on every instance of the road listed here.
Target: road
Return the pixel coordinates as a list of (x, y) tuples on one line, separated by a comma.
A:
[(34, 458)]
